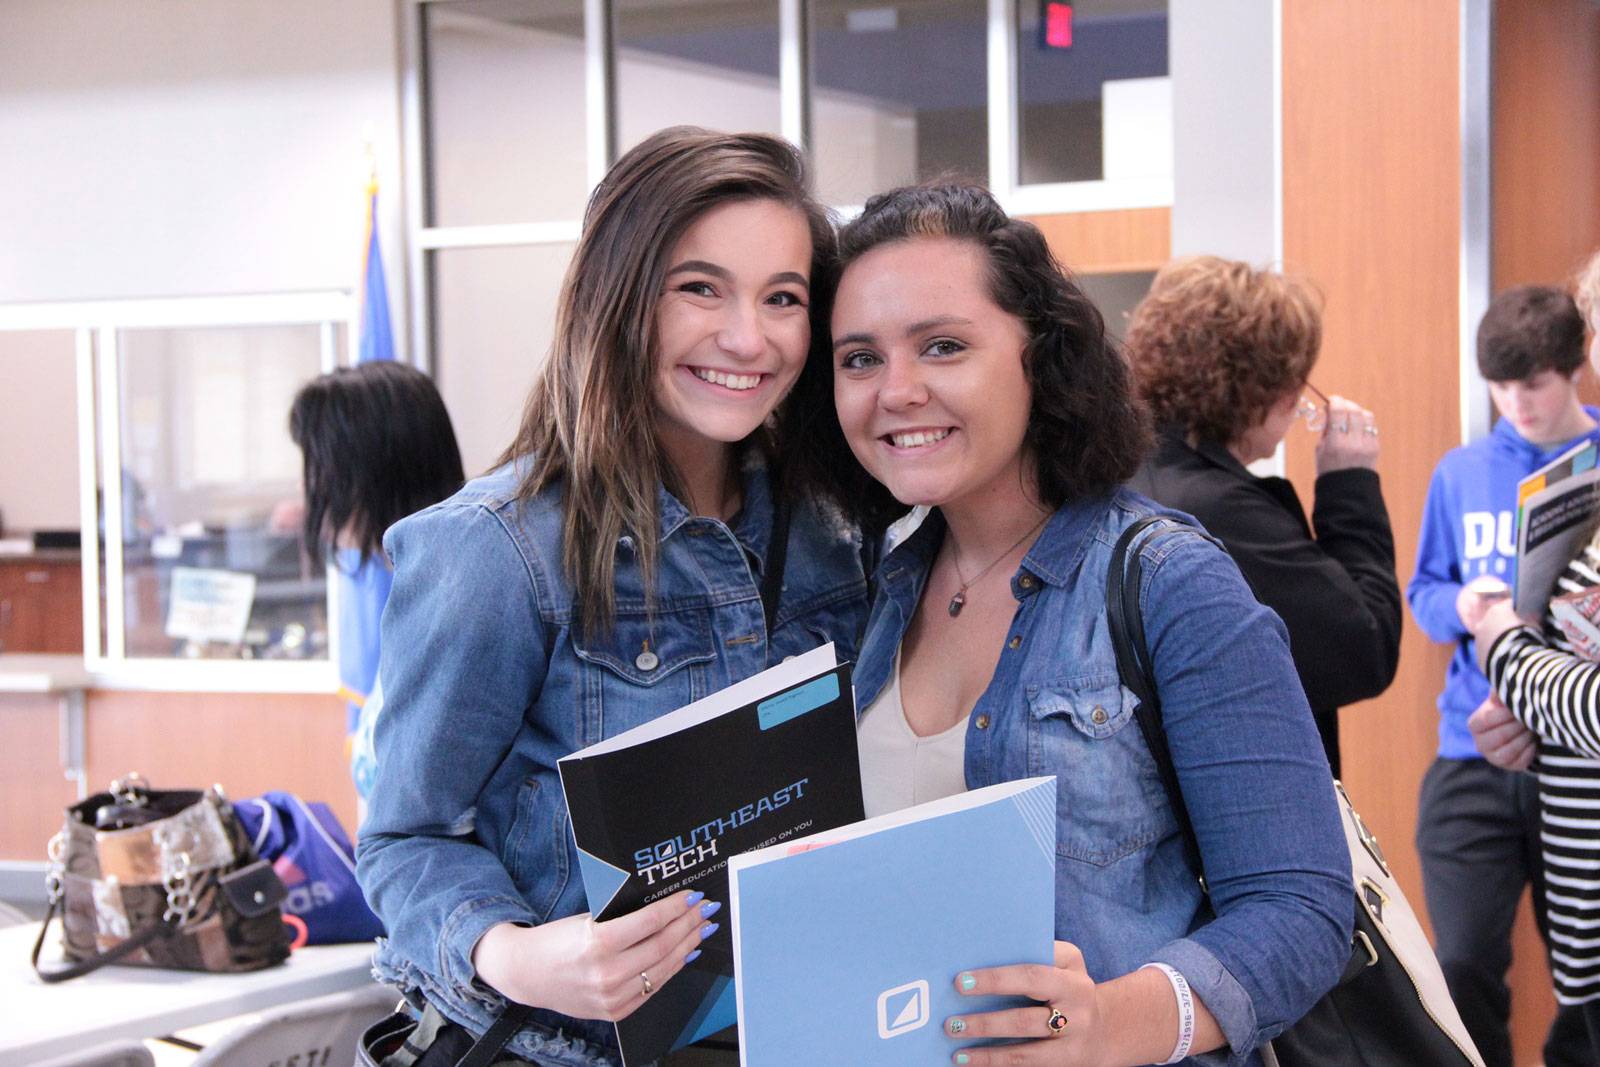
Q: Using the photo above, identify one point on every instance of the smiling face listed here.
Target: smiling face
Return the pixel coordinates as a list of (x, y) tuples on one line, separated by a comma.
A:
[(731, 325), (928, 380)]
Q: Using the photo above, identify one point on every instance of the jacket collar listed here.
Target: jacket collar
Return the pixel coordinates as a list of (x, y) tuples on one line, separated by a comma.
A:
[(1175, 441), (752, 525)]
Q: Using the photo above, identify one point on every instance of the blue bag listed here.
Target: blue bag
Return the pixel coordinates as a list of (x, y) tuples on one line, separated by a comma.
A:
[(308, 848)]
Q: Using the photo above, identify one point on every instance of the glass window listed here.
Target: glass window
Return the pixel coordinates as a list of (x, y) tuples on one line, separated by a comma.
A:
[(1116, 295), (494, 311), (701, 62), (213, 562), (1095, 102), (505, 111), (898, 94)]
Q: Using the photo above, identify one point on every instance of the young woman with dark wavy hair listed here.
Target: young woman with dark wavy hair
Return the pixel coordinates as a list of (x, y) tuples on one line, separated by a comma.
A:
[(973, 378), (609, 571)]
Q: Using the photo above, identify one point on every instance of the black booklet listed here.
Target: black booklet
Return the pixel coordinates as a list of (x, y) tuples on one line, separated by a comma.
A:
[(663, 806)]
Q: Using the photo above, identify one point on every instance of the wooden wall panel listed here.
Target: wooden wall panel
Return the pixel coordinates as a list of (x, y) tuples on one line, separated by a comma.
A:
[(1546, 143), (248, 742), (1107, 242), (33, 789), (1371, 212)]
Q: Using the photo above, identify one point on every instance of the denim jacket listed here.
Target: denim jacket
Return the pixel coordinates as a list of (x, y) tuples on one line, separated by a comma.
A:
[(1243, 741), (488, 682)]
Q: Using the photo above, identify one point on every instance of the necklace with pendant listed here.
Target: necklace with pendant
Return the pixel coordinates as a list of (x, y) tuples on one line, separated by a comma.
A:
[(959, 601)]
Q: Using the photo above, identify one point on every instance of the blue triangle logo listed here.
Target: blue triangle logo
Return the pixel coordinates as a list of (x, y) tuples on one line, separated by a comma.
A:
[(601, 880), (718, 1011)]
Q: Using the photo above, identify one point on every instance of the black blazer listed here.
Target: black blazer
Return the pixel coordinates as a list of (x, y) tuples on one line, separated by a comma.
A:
[(1331, 580)]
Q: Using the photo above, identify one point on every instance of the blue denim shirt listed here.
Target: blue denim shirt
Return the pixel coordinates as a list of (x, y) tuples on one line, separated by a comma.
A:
[(488, 682), (1249, 761)]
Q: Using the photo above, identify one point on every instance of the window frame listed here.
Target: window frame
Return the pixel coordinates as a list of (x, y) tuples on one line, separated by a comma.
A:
[(96, 326)]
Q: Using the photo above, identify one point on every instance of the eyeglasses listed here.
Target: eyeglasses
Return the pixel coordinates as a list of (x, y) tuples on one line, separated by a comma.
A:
[(1315, 414)]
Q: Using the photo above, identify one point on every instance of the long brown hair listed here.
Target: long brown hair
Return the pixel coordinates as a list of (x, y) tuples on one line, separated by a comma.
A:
[(590, 421)]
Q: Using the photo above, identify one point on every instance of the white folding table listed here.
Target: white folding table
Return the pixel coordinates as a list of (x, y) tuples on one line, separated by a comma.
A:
[(39, 1021)]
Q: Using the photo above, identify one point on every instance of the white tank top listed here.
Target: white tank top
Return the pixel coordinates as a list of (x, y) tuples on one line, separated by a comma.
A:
[(898, 768)]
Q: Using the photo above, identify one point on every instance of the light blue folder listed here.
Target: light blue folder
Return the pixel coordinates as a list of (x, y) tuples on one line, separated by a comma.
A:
[(848, 943)]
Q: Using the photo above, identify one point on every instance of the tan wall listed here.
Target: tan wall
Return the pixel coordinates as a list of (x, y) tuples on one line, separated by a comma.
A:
[(1546, 145), (247, 742)]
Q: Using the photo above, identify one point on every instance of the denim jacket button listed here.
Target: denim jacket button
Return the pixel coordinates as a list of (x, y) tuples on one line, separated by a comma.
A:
[(1015, 642), (647, 661), (1098, 714), (983, 722)]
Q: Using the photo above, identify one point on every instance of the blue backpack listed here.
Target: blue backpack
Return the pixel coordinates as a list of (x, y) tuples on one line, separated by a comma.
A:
[(311, 853)]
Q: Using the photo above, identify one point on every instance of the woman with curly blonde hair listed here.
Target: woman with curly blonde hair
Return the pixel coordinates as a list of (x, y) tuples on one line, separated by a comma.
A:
[(1222, 353)]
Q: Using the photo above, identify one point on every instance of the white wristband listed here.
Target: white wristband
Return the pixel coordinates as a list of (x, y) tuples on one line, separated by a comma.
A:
[(1180, 990)]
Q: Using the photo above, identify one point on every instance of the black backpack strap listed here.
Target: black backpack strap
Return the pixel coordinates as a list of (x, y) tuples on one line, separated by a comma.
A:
[(486, 1050), (1137, 669), (777, 556)]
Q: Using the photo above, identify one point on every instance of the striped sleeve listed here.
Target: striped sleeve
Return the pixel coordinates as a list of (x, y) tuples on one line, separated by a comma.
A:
[(1554, 694)]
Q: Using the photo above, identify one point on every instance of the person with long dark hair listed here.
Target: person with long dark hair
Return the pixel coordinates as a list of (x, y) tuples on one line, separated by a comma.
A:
[(377, 445), (973, 378), (608, 572)]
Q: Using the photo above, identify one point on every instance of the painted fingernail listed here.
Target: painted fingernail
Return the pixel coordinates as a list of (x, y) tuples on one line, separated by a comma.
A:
[(957, 1026), (691, 957), (694, 898), (967, 982), (708, 929), (710, 908), (962, 1057)]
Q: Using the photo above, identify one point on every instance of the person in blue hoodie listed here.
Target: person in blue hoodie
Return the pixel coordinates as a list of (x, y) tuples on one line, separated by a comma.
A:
[(1478, 825)]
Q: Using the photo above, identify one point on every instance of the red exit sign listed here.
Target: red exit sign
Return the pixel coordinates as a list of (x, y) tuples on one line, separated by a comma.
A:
[(1058, 25)]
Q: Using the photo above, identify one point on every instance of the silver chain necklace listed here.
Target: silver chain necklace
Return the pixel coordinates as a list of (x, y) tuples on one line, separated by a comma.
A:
[(959, 601)]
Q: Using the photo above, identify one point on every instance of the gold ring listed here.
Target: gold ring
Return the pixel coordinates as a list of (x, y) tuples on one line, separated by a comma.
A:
[(1057, 1022), (648, 988)]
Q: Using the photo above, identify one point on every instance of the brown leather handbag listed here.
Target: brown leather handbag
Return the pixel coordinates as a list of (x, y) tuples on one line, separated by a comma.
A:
[(160, 878)]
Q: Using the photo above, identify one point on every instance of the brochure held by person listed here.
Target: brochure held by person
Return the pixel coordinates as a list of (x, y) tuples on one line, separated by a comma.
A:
[(661, 808), (866, 927)]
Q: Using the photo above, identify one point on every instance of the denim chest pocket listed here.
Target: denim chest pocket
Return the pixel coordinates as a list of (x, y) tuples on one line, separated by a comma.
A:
[(642, 669), (1109, 798)]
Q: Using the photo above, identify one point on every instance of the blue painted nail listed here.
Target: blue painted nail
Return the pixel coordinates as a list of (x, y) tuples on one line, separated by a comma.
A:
[(957, 1026), (962, 1057), (968, 982), (691, 957), (694, 898), (708, 929), (710, 908)]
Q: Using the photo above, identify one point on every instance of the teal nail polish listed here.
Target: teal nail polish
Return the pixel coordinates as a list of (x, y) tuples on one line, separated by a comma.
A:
[(694, 898), (710, 908), (691, 957), (962, 1057), (957, 1026), (708, 929), (968, 983)]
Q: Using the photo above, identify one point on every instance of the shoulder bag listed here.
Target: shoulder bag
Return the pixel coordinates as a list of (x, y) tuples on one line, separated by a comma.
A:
[(160, 878), (1391, 1005)]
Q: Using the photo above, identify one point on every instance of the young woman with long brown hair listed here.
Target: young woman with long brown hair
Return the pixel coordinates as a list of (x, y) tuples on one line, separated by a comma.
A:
[(609, 571)]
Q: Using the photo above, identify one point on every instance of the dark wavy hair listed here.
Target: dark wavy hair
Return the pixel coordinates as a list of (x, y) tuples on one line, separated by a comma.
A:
[(1529, 329), (1087, 433), (377, 445), (590, 421)]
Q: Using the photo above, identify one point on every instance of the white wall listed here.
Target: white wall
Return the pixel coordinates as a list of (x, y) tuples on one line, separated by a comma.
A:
[(38, 431), (176, 148), (179, 147)]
